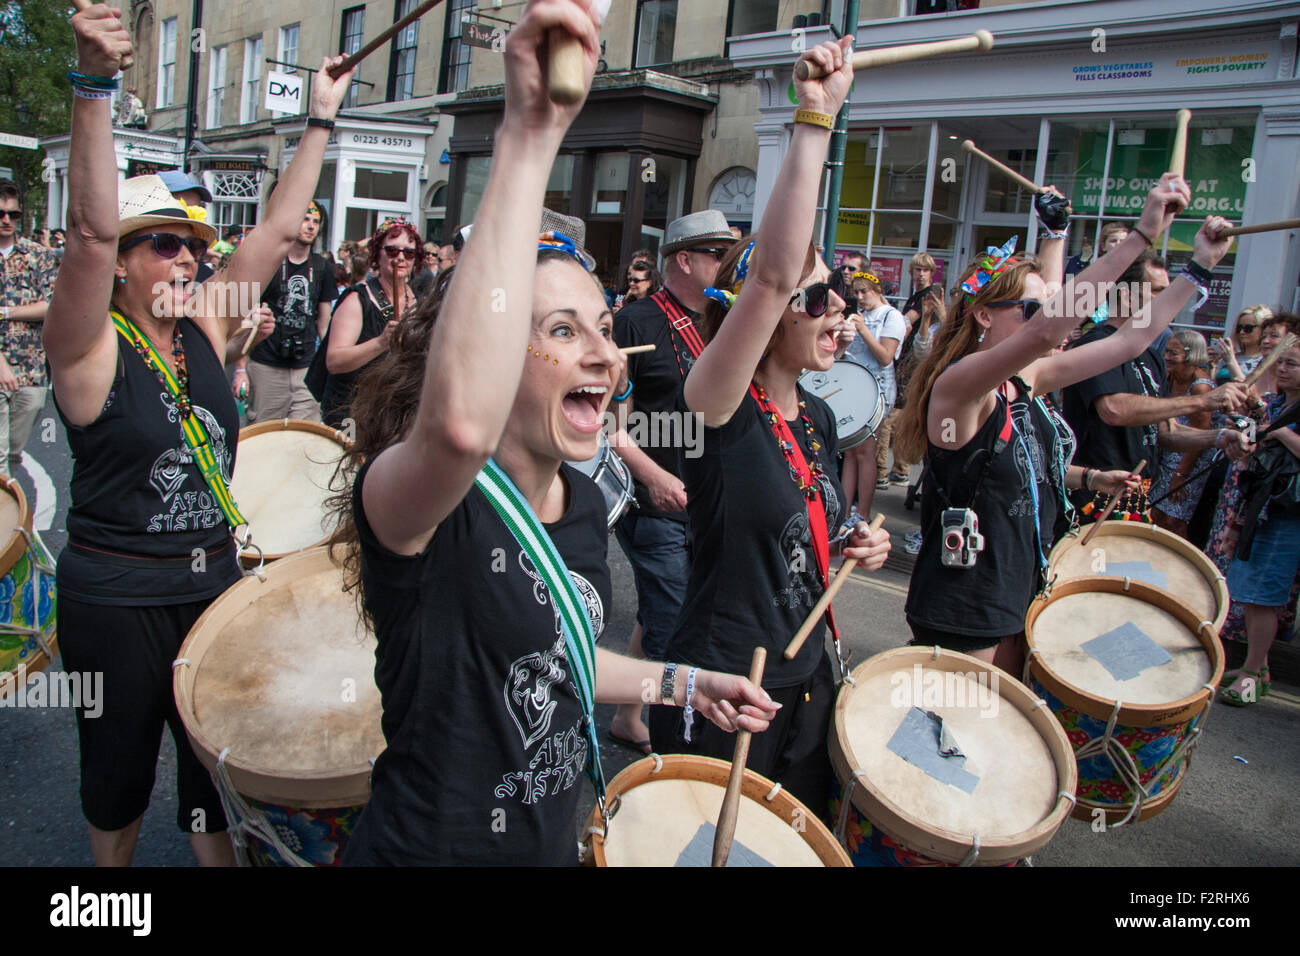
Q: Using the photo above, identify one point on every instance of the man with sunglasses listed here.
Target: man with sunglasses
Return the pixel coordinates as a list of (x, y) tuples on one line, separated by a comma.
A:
[(25, 288), (299, 295), (654, 535)]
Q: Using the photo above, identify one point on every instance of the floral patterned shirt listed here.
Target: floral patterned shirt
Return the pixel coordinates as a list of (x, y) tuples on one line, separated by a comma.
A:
[(28, 277)]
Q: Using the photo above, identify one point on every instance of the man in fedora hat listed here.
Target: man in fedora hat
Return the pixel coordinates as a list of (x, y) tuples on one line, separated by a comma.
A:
[(654, 536)]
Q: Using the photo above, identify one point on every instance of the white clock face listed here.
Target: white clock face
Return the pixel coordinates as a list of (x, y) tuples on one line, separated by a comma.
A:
[(733, 195)]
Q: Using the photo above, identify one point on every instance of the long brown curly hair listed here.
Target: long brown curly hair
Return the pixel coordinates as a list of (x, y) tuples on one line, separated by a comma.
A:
[(957, 337)]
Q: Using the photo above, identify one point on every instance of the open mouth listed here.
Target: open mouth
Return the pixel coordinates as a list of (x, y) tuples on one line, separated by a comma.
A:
[(583, 406), (826, 341)]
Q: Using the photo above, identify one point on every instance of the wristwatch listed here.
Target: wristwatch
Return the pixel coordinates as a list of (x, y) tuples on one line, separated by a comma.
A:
[(668, 686)]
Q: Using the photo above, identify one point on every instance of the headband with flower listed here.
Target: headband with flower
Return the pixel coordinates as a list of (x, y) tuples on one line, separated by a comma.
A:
[(195, 212), (727, 297), (995, 260), (865, 275), (559, 242)]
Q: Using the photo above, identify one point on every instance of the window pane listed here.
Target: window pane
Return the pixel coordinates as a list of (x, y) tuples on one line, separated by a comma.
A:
[(897, 230), (1003, 195), (665, 195), (609, 185), (380, 184), (353, 27), (753, 16), (655, 37), (476, 172), (945, 200), (902, 175), (455, 54), (360, 223), (325, 184), (559, 187)]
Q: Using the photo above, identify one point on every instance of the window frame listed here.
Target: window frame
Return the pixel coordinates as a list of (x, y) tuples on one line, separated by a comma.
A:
[(359, 12), (217, 85), (453, 69), (636, 35), (251, 85), (398, 91), (166, 67)]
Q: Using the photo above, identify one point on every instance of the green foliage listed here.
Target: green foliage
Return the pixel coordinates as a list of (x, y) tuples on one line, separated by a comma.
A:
[(37, 49)]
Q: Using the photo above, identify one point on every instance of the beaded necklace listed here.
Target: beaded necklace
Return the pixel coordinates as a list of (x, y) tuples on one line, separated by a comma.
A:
[(808, 487), (182, 373)]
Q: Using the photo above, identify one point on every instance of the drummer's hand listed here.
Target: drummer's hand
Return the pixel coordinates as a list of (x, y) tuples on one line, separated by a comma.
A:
[(262, 321), (102, 40), (386, 336), (732, 702), (871, 548), (239, 383), (827, 93), (1113, 482), (327, 93), (667, 493)]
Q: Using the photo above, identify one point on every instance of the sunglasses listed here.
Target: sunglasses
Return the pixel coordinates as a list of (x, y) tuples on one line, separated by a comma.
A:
[(14, 215), (716, 251), (168, 245), (815, 300), (1027, 306), (395, 251), (634, 281), (1247, 328)]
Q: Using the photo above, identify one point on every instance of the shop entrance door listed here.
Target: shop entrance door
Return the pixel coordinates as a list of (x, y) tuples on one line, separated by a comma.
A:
[(995, 207)]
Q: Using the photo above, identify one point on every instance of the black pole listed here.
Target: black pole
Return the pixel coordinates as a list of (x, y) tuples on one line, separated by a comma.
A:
[(191, 117)]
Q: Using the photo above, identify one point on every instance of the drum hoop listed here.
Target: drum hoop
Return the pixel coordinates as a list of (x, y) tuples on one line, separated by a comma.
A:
[(249, 560), (17, 544), (938, 843), (1159, 536), (692, 767), (343, 787), (1130, 715)]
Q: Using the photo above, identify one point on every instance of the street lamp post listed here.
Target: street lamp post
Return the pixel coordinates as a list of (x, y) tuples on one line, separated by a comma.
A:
[(23, 113)]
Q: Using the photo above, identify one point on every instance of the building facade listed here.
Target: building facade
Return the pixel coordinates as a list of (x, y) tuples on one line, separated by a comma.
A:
[(1081, 95)]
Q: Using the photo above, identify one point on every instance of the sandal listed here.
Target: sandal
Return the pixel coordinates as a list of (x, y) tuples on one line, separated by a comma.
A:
[(1234, 698)]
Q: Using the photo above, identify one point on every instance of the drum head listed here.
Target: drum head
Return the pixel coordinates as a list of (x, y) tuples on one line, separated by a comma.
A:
[(1148, 554), (1003, 783), (281, 672), (854, 396), (668, 818), (281, 482)]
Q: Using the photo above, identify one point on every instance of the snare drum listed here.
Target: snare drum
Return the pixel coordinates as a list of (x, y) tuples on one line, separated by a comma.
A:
[(275, 685), (281, 482), (1143, 552), (854, 396), (1110, 652), (999, 794), (611, 476), (663, 812), (27, 594)]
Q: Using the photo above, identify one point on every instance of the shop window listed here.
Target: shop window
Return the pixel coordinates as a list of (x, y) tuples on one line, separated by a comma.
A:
[(476, 173), (354, 23), (609, 184), (559, 187), (1001, 194), (665, 193), (385, 185), (325, 182), (401, 70), (655, 26), (455, 51)]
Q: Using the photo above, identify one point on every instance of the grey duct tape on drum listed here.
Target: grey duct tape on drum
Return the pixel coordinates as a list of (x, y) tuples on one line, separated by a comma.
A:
[(1126, 651)]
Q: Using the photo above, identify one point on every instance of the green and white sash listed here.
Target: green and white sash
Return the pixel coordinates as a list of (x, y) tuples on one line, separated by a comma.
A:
[(196, 436), (579, 638)]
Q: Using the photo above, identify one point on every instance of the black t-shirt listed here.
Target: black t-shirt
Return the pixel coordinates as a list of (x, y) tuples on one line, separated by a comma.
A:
[(656, 378), (336, 400), (917, 299), (754, 574), (294, 294), (140, 505), (486, 740), (990, 599), (1115, 446)]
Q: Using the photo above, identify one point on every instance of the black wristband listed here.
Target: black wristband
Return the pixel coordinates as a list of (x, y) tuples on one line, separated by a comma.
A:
[(1198, 272), (1145, 237), (322, 123)]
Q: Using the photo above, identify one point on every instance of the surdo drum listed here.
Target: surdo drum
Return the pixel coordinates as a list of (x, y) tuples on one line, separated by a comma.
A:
[(281, 482), (1130, 673), (663, 811), (27, 593), (854, 396), (946, 760), (275, 686)]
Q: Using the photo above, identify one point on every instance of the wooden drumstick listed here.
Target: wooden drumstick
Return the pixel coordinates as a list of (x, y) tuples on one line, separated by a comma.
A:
[(637, 349), (1289, 341), (1003, 168), (980, 40), (248, 343), (564, 63), (828, 595), (336, 71), (726, 829), (1261, 227), (128, 60), (1110, 506), (1178, 161)]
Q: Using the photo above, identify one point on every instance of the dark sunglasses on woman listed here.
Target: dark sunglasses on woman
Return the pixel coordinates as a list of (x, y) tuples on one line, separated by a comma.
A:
[(168, 245), (1027, 306), (395, 251), (815, 300), (1247, 328)]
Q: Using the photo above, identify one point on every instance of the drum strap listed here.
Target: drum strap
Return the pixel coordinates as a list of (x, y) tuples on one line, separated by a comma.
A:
[(579, 639), (196, 436), (681, 323), (812, 500)]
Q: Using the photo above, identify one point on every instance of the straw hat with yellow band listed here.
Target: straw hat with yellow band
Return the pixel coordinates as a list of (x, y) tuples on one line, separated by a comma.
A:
[(145, 201)]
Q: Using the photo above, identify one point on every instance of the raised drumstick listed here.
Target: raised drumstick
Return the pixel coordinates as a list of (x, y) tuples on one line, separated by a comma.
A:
[(726, 829), (823, 603), (1110, 506), (127, 61), (637, 349), (1003, 168), (377, 42), (564, 61), (979, 40), (1289, 341), (1178, 160), (1261, 227)]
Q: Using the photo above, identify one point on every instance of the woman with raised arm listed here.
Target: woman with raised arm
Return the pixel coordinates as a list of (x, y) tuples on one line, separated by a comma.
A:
[(134, 353), (997, 457), (763, 498), (480, 555)]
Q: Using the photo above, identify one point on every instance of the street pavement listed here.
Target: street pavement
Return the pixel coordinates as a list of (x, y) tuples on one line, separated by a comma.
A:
[(1235, 807)]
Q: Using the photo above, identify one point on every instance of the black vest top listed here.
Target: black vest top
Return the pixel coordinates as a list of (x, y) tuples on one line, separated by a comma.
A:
[(990, 599), (140, 506), (339, 389)]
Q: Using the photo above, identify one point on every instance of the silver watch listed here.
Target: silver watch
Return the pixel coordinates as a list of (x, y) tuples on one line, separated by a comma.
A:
[(668, 686)]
